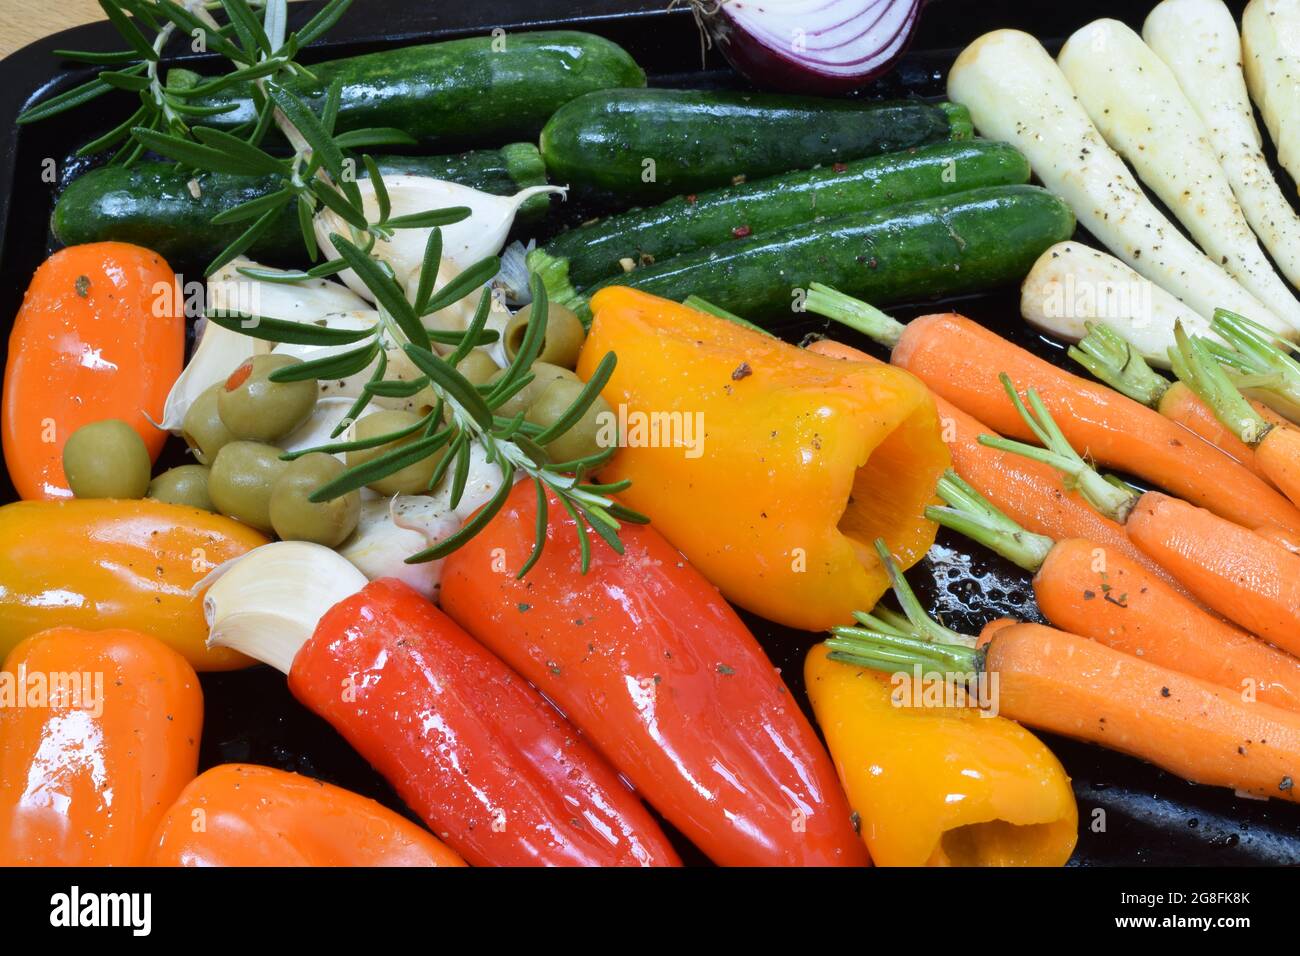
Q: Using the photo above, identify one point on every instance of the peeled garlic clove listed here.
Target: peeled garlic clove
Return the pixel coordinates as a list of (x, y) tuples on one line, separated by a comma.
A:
[(334, 387), (317, 428), (483, 481), (476, 237), (390, 531), (305, 301), (267, 603), (218, 353)]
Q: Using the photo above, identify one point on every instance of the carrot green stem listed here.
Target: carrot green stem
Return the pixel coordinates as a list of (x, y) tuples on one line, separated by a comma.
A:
[(886, 620), (856, 314), (1197, 368), (1113, 502), (889, 649), (704, 305), (971, 514), (1254, 359), (1109, 357)]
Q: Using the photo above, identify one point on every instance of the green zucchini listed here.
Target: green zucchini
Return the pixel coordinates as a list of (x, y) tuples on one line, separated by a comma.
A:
[(918, 250), (648, 145), (151, 205), (455, 93), (596, 251)]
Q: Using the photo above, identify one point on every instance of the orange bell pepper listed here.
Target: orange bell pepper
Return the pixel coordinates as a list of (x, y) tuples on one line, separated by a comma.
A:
[(103, 563), (245, 815), (87, 770), (100, 334), (940, 786), (798, 463)]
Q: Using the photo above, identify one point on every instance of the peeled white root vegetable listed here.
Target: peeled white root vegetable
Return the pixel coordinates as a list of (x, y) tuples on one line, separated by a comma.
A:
[(1136, 103), (272, 598), (464, 243), (1270, 41), (1072, 285), (1199, 42), (1016, 93)]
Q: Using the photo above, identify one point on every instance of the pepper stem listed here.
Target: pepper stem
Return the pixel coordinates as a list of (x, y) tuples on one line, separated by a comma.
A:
[(1197, 368), (856, 314), (1112, 501), (1109, 357), (971, 514)]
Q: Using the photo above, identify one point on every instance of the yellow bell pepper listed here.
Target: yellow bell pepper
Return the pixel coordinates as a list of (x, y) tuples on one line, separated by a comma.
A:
[(773, 469), (98, 564), (940, 786)]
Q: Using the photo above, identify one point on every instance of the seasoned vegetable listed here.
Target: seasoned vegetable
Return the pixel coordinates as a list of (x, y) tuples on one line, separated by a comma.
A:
[(794, 462), (106, 459), (85, 778), (100, 335), (726, 755), (583, 438), (639, 145), (203, 429), (456, 92), (1135, 101), (1017, 93), (610, 246), (960, 360), (564, 335), (410, 480), (1272, 62), (170, 210), (257, 816), (1198, 40), (1088, 590), (930, 247), (254, 407), (146, 555), (296, 518), (242, 478), (943, 786), (183, 485)]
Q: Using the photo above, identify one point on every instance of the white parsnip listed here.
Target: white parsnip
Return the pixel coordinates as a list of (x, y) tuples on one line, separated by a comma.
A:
[(1072, 285), (1015, 92), (1199, 42), (1136, 103), (1270, 47)]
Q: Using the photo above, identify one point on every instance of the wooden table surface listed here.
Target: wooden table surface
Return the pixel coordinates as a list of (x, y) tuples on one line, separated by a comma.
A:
[(22, 21)]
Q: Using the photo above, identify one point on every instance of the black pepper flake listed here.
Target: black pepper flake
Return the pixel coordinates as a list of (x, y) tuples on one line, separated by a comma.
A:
[(741, 371), (725, 670), (1164, 691), (524, 608), (1286, 784), (82, 285)]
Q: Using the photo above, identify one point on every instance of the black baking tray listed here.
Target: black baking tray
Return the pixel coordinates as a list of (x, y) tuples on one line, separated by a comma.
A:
[(1129, 812)]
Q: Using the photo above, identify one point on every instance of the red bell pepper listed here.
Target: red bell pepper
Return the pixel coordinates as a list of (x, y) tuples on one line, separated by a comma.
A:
[(483, 758), (656, 669)]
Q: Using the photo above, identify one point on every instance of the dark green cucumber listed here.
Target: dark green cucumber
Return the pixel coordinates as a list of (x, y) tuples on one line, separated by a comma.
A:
[(458, 92), (151, 204), (648, 145), (918, 250), (586, 255)]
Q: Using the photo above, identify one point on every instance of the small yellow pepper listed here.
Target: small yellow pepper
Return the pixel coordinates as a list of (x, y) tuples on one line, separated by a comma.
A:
[(940, 786), (101, 563), (770, 467)]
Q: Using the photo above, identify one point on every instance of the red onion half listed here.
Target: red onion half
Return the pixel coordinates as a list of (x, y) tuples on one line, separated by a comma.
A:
[(810, 46)]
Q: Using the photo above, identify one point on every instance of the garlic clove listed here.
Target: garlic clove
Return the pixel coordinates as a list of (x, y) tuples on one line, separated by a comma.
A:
[(390, 531), (305, 301), (476, 237), (267, 603), (218, 353)]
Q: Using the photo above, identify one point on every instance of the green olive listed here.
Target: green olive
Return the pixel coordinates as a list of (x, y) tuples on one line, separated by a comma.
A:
[(184, 485), (106, 459), (255, 408), (563, 340), (295, 518), (543, 375), (411, 480), (203, 429), (242, 478), (583, 439), (478, 367)]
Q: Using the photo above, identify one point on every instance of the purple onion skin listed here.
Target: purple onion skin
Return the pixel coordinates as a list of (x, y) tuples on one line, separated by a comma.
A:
[(780, 70)]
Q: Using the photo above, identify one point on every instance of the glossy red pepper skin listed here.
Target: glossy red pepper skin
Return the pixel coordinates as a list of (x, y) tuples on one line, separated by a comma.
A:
[(485, 760), (646, 658)]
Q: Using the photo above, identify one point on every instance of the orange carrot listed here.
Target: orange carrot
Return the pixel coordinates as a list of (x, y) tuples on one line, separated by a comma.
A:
[(1092, 591), (1029, 491), (1236, 572), (99, 336), (1067, 684), (960, 360), (1278, 536)]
